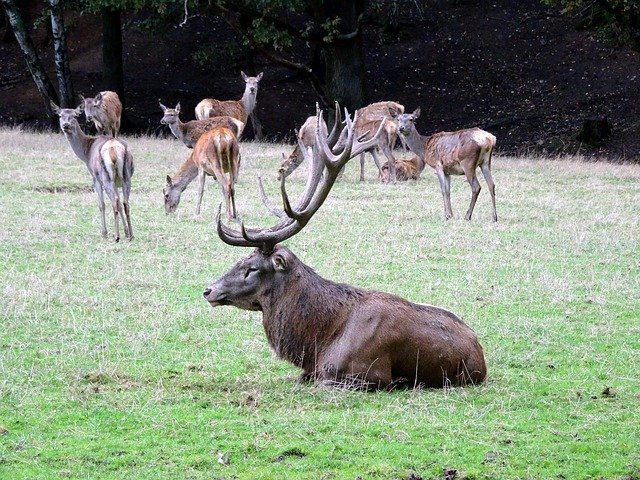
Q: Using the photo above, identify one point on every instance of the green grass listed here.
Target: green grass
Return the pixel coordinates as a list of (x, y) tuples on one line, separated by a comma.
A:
[(112, 365)]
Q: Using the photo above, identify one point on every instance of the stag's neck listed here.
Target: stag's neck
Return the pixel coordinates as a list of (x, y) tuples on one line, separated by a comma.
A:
[(248, 101), (417, 143), (185, 175), (304, 315), (80, 143)]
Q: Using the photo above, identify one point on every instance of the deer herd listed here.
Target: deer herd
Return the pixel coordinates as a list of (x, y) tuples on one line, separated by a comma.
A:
[(337, 334)]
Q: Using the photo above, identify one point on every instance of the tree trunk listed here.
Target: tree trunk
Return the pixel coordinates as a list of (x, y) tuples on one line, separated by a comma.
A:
[(7, 36), (63, 72), (343, 52), (38, 73)]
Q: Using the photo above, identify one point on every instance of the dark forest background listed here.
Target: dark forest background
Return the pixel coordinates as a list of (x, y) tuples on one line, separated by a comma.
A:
[(530, 72)]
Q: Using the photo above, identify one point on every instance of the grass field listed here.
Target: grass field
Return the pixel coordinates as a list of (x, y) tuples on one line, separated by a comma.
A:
[(112, 366)]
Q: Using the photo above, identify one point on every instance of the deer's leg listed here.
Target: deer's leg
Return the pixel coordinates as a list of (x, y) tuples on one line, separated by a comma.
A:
[(231, 191), (362, 167), (115, 201), (475, 190), (126, 191), (486, 172), (445, 186), (390, 158), (201, 179), (103, 222)]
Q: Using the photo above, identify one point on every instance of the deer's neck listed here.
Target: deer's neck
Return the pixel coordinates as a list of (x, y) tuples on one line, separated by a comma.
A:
[(304, 314), (185, 175), (248, 101), (416, 143), (80, 143), (177, 128)]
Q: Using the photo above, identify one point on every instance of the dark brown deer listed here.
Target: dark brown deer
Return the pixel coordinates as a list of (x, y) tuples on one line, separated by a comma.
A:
[(110, 164), (453, 153), (339, 334)]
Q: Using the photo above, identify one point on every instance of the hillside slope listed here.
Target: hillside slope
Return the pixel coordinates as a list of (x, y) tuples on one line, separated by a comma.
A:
[(520, 71)]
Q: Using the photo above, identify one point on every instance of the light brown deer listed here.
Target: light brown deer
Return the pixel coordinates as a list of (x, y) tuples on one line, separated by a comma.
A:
[(453, 153), (215, 153), (406, 169), (191, 131), (339, 334), (110, 164), (241, 109), (104, 110)]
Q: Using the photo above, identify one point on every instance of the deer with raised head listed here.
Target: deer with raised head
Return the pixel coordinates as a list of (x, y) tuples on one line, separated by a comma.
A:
[(369, 119), (241, 109), (453, 153), (191, 131), (216, 152), (110, 164), (104, 110), (406, 169), (339, 334)]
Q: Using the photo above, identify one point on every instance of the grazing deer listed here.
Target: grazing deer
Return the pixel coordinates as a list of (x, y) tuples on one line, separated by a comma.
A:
[(216, 153), (339, 334), (105, 111), (406, 169), (110, 164), (190, 132), (453, 153), (241, 109), (306, 140)]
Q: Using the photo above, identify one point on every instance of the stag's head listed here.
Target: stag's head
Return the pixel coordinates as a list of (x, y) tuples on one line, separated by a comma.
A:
[(68, 117), (261, 274), (171, 115), (406, 121), (251, 82), (171, 193)]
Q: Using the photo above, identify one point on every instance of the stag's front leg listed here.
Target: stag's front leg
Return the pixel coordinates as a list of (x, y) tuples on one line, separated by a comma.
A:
[(445, 186), (103, 222)]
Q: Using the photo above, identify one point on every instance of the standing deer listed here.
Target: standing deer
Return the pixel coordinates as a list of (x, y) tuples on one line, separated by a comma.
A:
[(216, 153), (241, 109), (368, 119), (105, 111), (306, 140), (110, 164), (336, 333), (453, 153), (191, 131)]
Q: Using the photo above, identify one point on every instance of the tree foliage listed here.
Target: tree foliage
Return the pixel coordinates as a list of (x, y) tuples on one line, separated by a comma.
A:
[(619, 19)]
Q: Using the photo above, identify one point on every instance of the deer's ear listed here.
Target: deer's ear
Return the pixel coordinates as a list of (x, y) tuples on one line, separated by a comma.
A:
[(259, 77), (98, 99), (79, 109), (244, 75), (416, 113), (279, 262), (168, 180), (178, 108), (164, 109), (54, 107)]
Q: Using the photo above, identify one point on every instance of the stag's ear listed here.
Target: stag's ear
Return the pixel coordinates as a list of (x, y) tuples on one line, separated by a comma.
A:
[(168, 180), (416, 113), (279, 262)]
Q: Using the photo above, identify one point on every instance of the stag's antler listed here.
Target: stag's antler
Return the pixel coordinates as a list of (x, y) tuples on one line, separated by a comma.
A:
[(325, 166)]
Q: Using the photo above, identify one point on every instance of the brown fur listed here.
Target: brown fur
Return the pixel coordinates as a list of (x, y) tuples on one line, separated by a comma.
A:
[(191, 131), (341, 334), (105, 110), (306, 136), (406, 169)]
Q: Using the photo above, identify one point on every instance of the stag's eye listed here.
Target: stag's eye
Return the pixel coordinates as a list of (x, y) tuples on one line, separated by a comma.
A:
[(249, 272)]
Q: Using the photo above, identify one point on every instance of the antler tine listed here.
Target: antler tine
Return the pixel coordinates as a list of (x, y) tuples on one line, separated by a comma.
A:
[(266, 201), (335, 132), (230, 236), (334, 162)]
